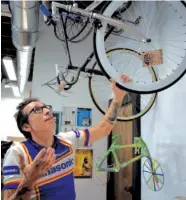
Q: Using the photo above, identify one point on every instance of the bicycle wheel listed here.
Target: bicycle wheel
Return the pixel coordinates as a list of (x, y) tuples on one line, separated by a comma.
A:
[(79, 27), (153, 174), (101, 92), (164, 52)]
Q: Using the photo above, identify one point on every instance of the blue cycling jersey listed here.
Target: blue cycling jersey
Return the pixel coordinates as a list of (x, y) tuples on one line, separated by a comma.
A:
[(58, 182)]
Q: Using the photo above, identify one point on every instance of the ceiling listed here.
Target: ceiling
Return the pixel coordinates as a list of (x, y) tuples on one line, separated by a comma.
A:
[(7, 47)]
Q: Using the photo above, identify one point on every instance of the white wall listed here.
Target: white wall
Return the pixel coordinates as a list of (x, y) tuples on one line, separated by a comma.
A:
[(163, 129), (8, 109), (49, 52)]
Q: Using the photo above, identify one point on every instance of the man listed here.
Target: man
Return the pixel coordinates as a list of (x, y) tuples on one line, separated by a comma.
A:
[(86, 167), (42, 166)]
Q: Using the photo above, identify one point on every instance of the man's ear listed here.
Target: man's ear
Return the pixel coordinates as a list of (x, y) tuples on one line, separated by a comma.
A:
[(26, 127)]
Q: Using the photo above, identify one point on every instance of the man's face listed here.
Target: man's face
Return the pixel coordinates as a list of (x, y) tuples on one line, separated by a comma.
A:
[(40, 118)]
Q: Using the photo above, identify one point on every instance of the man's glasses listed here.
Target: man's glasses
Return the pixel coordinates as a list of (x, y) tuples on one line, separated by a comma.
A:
[(38, 110)]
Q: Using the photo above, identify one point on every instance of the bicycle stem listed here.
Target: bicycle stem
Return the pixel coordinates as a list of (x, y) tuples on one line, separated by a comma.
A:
[(113, 22)]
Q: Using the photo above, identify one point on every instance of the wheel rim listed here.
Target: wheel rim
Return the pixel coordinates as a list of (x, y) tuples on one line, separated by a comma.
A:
[(153, 176), (134, 86)]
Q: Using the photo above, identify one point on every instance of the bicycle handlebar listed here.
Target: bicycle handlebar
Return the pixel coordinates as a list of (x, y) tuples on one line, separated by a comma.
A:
[(45, 11)]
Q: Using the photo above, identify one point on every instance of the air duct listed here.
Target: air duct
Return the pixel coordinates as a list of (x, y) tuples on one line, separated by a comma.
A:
[(25, 22)]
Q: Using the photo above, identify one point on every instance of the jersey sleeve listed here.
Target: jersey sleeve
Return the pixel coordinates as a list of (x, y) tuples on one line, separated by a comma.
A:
[(11, 172), (78, 138)]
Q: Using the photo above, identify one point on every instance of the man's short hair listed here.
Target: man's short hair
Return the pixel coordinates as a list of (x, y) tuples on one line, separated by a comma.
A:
[(22, 118)]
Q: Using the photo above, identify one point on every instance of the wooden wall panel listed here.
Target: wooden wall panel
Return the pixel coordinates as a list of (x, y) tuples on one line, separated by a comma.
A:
[(123, 179)]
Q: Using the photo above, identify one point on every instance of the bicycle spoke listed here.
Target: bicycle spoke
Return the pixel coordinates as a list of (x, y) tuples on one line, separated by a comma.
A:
[(158, 174), (149, 178), (176, 35), (149, 24), (175, 46), (127, 10), (147, 171), (155, 183), (174, 54), (160, 180), (157, 15), (157, 167), (171, 60), (135, 14), (145, 20), (147, 167)]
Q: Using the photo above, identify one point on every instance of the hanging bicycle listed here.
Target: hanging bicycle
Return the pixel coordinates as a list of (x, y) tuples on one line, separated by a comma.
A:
[(161, 41)]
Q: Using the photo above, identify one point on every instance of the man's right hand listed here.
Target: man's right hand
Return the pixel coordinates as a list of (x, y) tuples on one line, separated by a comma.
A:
[(39, 166), (32, 172)]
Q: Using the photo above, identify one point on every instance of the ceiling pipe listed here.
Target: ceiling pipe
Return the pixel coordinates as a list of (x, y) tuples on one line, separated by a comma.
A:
[(25, 23)]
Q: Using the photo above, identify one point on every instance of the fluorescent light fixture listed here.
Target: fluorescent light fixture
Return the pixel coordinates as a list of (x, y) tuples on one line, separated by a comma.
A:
[(15, 90), (22, 82), (13, 85), (9, 66)]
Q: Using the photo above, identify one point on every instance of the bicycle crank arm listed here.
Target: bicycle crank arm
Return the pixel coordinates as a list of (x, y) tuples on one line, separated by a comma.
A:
[(113, 22)]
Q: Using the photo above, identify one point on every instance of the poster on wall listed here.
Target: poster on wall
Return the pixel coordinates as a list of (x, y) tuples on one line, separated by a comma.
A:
[(69, 116), (83, 163), (58, 119), (84, 117)]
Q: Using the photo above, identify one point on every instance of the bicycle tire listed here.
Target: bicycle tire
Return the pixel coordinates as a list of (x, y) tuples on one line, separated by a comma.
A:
[(160, 85), (74, 37), (58, 27), (133, 117)]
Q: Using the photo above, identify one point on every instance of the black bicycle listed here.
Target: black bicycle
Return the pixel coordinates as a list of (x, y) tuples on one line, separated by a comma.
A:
[(99, 85), (155, 29)]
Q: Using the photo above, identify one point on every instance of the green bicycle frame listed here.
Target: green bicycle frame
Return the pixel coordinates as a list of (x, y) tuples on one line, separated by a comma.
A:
[(140, 148)]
